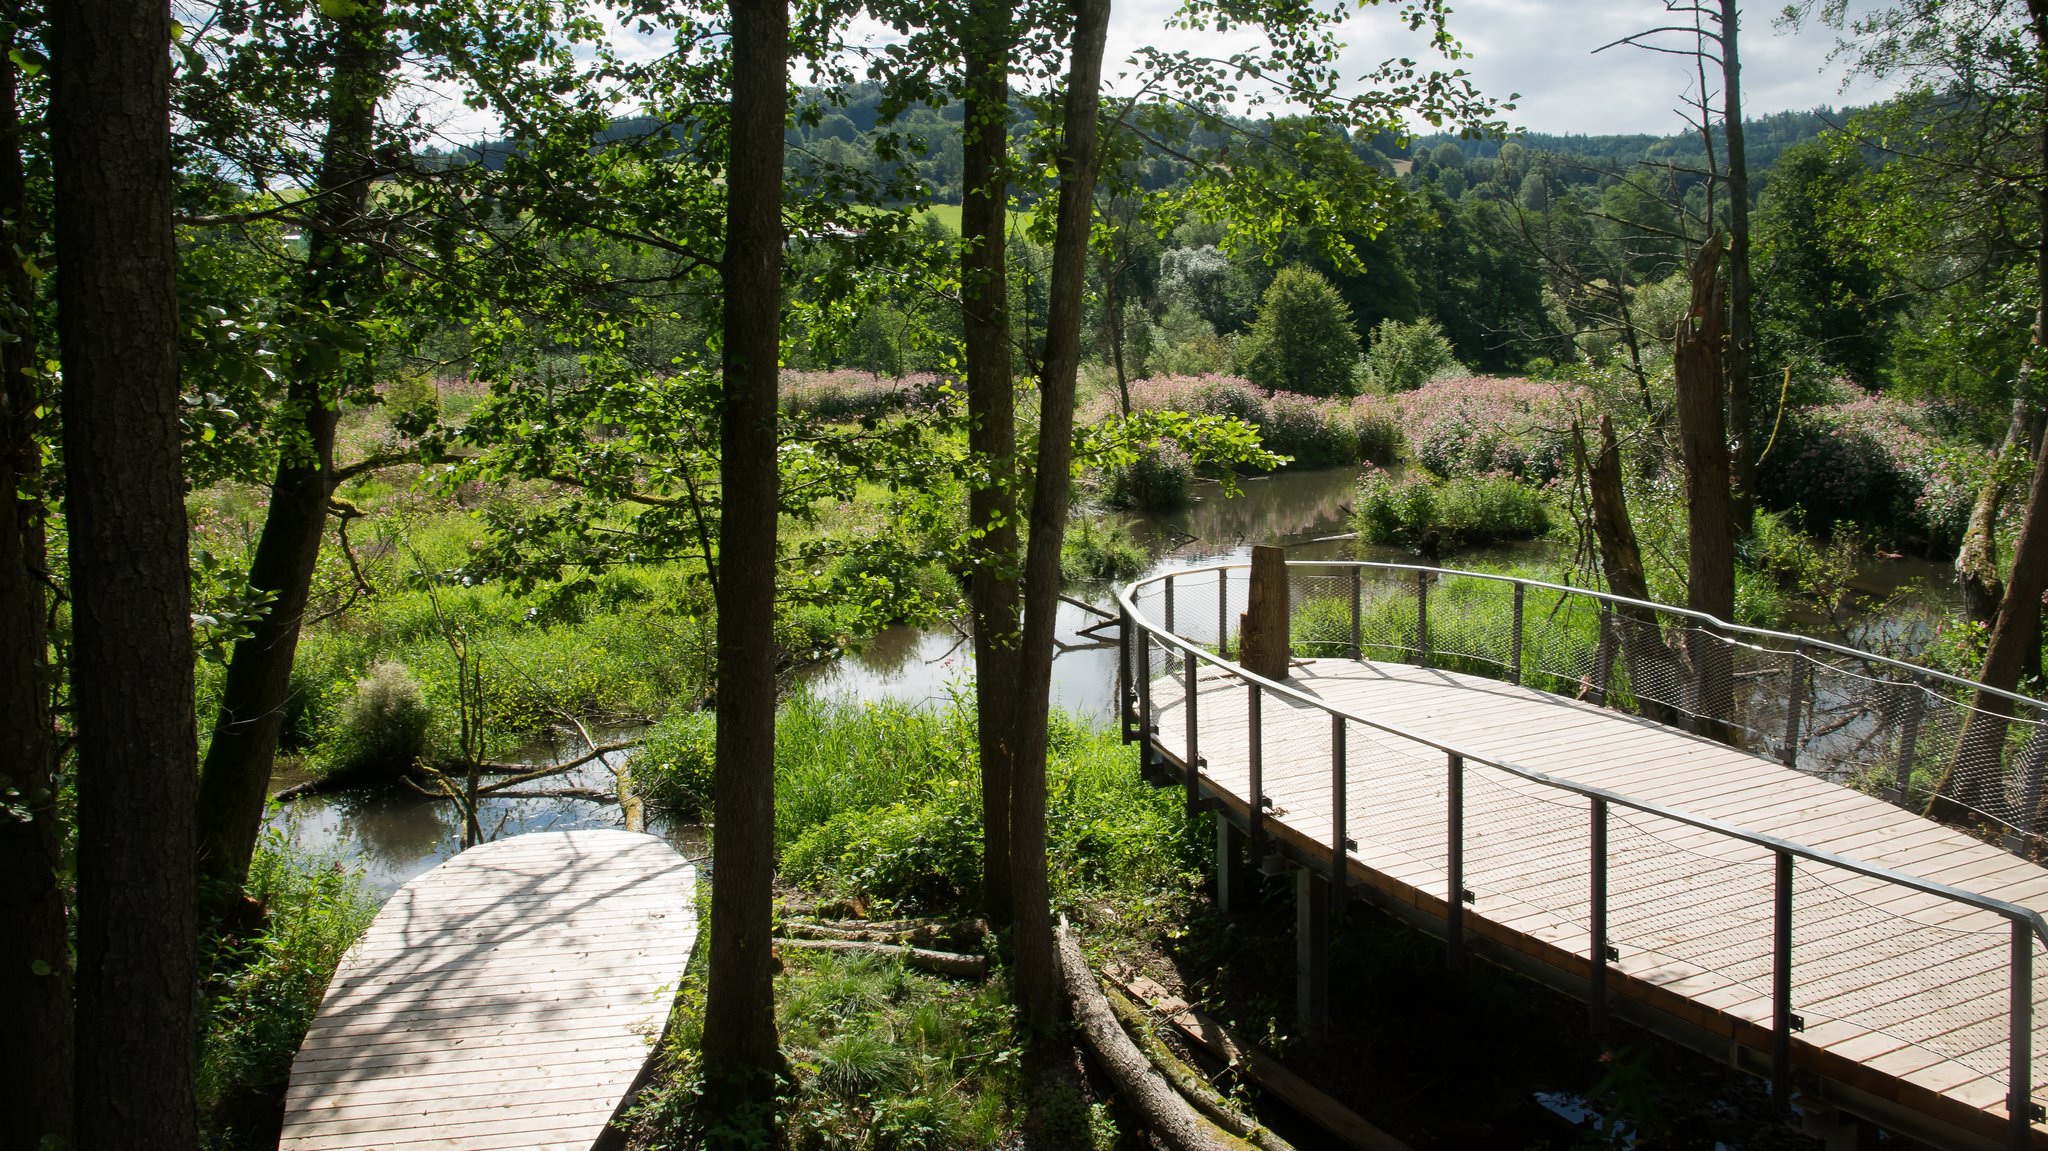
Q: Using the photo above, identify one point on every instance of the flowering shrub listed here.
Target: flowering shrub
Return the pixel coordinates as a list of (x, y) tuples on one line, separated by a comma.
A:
[(1472, 425), (1316, 432), (850, 395), (1874, 460)]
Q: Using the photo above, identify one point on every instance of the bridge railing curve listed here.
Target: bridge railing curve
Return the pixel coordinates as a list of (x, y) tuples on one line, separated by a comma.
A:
[(1854, 717)]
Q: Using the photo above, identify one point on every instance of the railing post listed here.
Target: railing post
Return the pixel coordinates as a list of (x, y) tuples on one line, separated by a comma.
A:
[(1223, 612), (1124, 701), (1146, 727), (1194, 758), (1169, 608), (1255, 803), (1422, 618), (1603, 655), (1909, 740), (1515, 659), (1782, 1020), (2019, 1098), (1596, 946), (1357, 620), (1454, 859), (1795, 699), (1340, 841)]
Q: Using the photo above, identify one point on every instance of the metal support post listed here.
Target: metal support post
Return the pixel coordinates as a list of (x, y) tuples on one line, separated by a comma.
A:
[(1311, 953), (1422, 619), (1169, 606), (1255, 803), (1515, 659), (1596, 946), (1340, 842), (1782, 1020), (1146, 727), (1223, 612), (1795, 699), (1454, 854), (1194, 758), (1357, 616), (1603, 655), (1125, 719), (2019, 1097), (1233, 876)]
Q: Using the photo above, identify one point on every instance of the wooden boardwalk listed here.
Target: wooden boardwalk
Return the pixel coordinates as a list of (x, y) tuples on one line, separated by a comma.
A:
[(506, 999), (1903, 995)]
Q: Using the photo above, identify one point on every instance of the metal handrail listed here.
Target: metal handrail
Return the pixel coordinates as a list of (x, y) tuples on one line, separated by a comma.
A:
[(2027, 923)]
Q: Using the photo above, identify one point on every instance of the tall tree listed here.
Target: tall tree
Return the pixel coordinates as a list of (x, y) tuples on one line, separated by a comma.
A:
[(333, 293), (740, 1048), (35, 949), (987, 41), (1036, 960), (125, 512)]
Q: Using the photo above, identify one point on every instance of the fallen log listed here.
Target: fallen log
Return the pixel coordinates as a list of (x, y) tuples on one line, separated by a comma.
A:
[(1144, 1088), (940, 962), (1191, 1083), (1268, 1073)]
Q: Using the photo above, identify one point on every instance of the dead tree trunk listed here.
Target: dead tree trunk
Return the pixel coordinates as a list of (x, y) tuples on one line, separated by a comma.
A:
[(1710, 549), (1977, 568), (1741, 336), (1654, 673)]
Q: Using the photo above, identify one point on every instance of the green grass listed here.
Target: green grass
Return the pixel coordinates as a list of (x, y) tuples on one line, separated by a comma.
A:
[(262, 989)]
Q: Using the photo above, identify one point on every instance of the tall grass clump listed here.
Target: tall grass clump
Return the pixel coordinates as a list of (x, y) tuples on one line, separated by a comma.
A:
[(849, 395), (263, 987), (1162, 477), (386, 726), (1464, 509)]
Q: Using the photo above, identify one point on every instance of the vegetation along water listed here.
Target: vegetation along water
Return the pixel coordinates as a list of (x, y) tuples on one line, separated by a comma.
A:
[(430, 423)]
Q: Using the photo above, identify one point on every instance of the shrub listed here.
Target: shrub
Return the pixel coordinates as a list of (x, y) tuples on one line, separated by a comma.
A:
[(1377, 428), (1100, 549), (1874, 461), (923, 855), (672, 768), (1316, 433), (1302, 340), (1466, 509), (1478, 424), (1403, 357), (1161, 477), (384, 727), (262, 989)]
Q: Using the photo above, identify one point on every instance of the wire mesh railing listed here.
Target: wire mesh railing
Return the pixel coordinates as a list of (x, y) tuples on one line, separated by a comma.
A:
[(1785, 936)]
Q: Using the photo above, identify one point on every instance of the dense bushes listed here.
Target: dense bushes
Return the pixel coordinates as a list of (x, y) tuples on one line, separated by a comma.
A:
[(1474, 425), (1875, 461), (1463, 509), (1315, 432), (1161, 477), (1403, 357), (1100, 549)]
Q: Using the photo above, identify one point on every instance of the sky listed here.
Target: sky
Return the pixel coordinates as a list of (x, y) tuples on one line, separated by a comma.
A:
[(1543, 49)]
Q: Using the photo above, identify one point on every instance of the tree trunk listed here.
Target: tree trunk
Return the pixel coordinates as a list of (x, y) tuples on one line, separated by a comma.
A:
[(235, 782), (991, 430), (1977, 561), (131, 671), (1741, 335), (35, 1009), (1703, 434), (1036, 969), (740, 1050), (1654, 673)]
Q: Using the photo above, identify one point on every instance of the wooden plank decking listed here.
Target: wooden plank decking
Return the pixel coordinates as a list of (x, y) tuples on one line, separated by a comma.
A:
[(506, 999), (1903, 995)]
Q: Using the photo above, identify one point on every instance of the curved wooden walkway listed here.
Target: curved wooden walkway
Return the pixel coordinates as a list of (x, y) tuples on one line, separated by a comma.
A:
[(506, 999), (1903, 996)]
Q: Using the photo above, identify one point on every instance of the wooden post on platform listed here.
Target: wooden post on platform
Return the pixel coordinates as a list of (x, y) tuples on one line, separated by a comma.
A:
[(1265, 646)]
